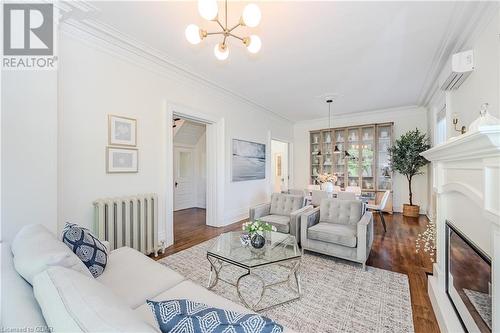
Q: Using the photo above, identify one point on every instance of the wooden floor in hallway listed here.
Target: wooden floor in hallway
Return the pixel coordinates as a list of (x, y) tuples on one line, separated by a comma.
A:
[(393, 250)]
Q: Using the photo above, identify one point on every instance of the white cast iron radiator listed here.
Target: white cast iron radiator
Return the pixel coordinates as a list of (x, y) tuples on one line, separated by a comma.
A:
[(129, 221)]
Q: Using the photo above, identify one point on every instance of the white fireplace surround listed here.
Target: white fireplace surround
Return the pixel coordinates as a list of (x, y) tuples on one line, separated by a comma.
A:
[(467, 186)]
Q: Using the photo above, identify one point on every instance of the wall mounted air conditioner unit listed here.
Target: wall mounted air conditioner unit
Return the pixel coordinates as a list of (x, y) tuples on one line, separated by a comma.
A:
[(462, 65)]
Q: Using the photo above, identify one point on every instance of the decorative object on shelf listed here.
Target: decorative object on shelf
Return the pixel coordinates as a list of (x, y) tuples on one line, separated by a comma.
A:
[(256, 231), (122, 131), (406, 159), (484, 119), (426, 241), (209, 10), (386, 172), (248, 160), (122, 160), (463, 129)]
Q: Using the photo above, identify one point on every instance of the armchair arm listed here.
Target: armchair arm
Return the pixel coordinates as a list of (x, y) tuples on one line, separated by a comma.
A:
[(259, 211), (365, 236), (295, 221), (307, 220)]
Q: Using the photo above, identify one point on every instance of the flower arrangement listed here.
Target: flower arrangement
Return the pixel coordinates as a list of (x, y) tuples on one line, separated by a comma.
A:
[(326, 178), (258, 227)]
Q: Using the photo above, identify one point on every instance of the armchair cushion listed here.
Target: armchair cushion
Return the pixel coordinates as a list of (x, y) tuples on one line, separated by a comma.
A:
[(285, 204), (341, 211), (281, 222), (341, 234), (258, 211)]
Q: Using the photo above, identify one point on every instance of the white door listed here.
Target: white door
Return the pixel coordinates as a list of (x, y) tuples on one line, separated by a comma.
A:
[(184, 183)]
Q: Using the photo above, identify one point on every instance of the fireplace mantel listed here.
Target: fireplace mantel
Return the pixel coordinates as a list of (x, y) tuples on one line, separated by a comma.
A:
[(466, 180), (483, 143)]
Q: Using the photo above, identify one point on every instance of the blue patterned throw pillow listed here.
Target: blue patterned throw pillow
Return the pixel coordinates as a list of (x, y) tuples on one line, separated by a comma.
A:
[(86, 246), (185, 316)]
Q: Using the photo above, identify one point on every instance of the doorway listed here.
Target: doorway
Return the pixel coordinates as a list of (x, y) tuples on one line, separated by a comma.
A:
[(279, 166), (189, 176)]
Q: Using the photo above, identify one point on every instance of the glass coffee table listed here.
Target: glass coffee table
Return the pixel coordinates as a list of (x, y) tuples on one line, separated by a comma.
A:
[(280, 250)]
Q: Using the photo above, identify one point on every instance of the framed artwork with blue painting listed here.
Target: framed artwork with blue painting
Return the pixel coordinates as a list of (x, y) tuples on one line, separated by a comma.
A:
[(248, 160)]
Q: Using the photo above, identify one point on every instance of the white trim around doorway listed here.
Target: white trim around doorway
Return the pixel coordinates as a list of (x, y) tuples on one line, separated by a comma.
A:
[(215, 165)]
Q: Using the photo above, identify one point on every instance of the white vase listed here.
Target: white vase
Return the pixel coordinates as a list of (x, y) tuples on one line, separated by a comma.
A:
[(328, 188)]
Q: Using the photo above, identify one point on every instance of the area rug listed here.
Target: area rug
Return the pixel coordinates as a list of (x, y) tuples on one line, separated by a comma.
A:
[(337, 296), (482, 304)]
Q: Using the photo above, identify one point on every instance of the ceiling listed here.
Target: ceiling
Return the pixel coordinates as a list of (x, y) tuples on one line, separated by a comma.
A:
[(188, 133), (373, 55)]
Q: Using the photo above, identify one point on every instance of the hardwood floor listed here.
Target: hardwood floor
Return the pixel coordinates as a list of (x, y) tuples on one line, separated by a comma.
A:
[(393, 250), (190, 229)]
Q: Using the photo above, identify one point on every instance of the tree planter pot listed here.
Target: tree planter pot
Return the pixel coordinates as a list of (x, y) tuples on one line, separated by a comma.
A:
[(411, 210)]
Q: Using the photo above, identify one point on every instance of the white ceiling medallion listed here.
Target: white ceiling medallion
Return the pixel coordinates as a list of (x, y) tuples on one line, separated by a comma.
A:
[(209, 10)]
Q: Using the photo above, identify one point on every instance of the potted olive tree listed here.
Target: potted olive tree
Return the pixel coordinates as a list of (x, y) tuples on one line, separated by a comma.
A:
[(406, 159)]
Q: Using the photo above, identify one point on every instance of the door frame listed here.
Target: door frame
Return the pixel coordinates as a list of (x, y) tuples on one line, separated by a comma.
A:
[(215, 135)]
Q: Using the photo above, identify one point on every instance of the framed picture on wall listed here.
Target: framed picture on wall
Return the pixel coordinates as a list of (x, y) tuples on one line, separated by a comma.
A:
[(122, 131), (248, 160), (122, 160)]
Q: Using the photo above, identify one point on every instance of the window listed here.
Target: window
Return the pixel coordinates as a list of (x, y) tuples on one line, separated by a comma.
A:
[(441, 126)]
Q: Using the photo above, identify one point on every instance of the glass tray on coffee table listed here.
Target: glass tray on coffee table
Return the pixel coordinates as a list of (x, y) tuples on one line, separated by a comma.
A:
[(280, 254)]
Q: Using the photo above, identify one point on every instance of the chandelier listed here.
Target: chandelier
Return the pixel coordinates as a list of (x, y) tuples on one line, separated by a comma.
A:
[(209, 10)]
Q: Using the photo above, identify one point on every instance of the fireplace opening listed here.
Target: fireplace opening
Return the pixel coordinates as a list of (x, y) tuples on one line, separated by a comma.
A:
[(468, 280)]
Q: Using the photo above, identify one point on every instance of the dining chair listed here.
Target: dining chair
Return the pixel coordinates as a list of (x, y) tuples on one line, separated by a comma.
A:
[(343, 195), (353, 189), (313, 188), (317, 196), (294, 191), (380, 207)]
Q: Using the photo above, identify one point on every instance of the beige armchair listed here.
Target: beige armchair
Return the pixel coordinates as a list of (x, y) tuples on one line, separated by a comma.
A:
[(339, 228), (283, 212)]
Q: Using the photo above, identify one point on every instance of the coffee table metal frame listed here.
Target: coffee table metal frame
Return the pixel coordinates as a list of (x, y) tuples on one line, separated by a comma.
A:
[(217, 262)]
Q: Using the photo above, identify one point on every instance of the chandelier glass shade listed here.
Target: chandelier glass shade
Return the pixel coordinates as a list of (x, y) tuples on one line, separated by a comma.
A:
[(209, 10)]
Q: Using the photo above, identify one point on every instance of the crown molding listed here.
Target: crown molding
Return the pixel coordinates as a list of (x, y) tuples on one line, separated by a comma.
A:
[(464, 29), (347, 115), (78, 22)]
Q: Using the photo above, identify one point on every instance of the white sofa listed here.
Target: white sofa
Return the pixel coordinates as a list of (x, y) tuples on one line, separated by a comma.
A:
[(65, 299)]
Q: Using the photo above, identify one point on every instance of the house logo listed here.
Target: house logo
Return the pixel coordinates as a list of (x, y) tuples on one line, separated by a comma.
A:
[(28, 36)]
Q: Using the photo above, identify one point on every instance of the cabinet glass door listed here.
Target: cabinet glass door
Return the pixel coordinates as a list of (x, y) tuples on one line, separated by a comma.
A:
[(353, 147), (326, 150), (315, 158), (367, 159), (339, 163), (384, 139)]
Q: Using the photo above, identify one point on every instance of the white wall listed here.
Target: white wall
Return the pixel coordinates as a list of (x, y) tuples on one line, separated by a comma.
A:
[(404, 119), (95, 82), (29, 150), (482, 86)]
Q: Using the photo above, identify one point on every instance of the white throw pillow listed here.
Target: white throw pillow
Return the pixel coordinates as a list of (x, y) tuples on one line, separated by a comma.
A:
[(73, 302), (35, 249)]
